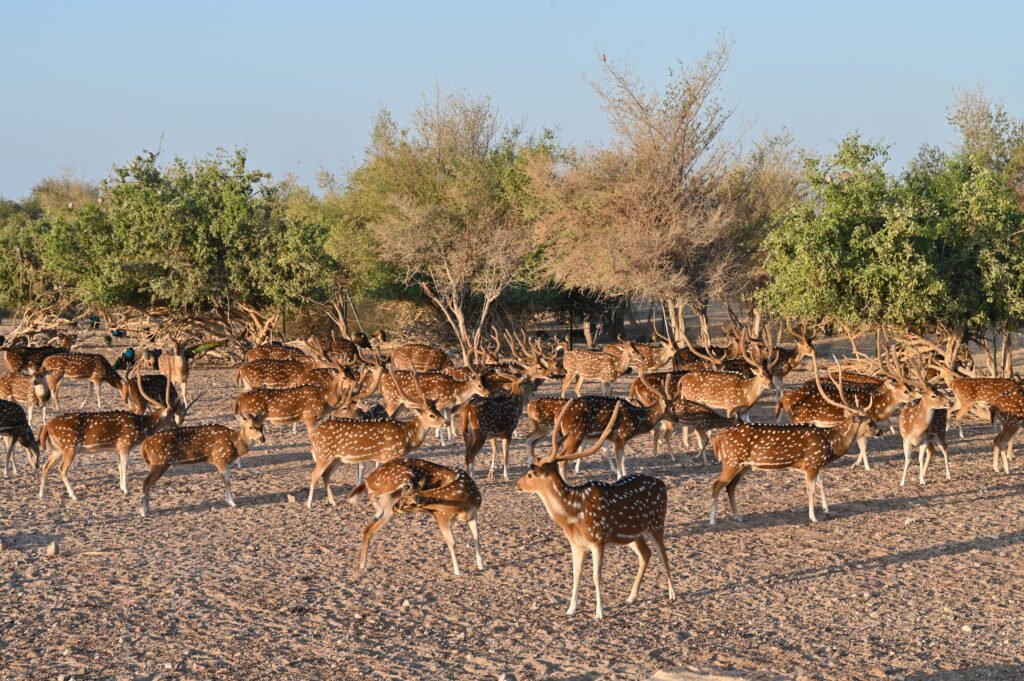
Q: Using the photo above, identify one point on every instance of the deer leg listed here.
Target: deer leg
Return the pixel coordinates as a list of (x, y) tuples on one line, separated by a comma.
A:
[(723, 480), (612, 463), (643, 552), (703, 440), (494, 458), (730, 490), (444, 523), (657, 537), (475, 532), (504, 458), (318, 472), (65, 463), (54, 393), (620, 459), (579, 386), (596, 557), (99, 404), (225, 472), (155, 472), (809, 481), (821, 491), (84, 399), (945, 456), (577, 569), (473, 447), (862, 444), (924, 457), (122, 470), (686, 437), (576, 470), (31, 408), (9, 461), (46, 471), (567, 381), (326, 477), (371, 529), (906, 461)]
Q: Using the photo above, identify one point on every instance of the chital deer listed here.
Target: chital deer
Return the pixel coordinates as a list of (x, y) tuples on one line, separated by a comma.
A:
[(270, 373), (419, 357), (593, 365), (208, 443), (174, 365), (444, 391), (80, 366), (355, 441), (782, 361), (688, 414), (308, 404), (156, 388), (923, 425), (805, 448), (639, 391), (592, 515), (970, 392), (494, 418), (418, 486), (26, 359), (270, 351), (15, 430), (29, 391), (648, 357), (103, 431), (731, 392)]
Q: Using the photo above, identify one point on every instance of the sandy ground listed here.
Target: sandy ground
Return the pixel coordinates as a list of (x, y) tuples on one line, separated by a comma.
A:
[(918, 582)]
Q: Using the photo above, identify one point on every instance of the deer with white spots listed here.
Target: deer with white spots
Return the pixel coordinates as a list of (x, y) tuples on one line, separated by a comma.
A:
[(272, 373), (782, 361), (418, 486), (593, 365), (27, 359), (923, 424), (355, 441), (270, 351), (593, 515), (28, 391), (103, 431), (648, 357), (207, 443), (732, 392), (806, 448), (155, 387), (308, 404), (419, 357), (688, 414), (445, 392), (495, 418), (15, 430), (970, 392), (174, 365), (80, 366)]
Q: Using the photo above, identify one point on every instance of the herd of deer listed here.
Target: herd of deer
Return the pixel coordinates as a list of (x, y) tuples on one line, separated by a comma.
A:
[(329, 385)]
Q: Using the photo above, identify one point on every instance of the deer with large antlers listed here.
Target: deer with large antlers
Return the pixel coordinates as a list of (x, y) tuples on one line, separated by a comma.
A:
[(419, 357), (495, 418), (15, 430), (207, 443), (29, 391), (806, 448), (355, 441), (628, 511), (593, 365), (149, 389), (445, 392), (419, 486), (80, 366), (103, 431), (734, 393)]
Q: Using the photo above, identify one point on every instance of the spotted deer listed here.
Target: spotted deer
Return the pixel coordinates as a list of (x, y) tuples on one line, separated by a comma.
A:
[(805, 448), (271, 351), (270, 373), (104, 431), (341, 350), (27, 359), (969, 392), (688, 414), (419, 486), (782, 361), (28, 391), (593, 365), (308, 404), (731, 392), (355, 441), (175, 366), (648, 357), (156, 387), (15, 430), (445, 392), (207, 443), (80, 366), (923, 424), (494, 418), (593, 515), (419, 357)]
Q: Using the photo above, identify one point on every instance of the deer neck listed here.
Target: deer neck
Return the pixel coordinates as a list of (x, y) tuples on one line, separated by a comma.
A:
[(623, 362), (463, 391), (416, 431), (755, 386), (559, 500), (241, 442), (841, 437), (153, 421)]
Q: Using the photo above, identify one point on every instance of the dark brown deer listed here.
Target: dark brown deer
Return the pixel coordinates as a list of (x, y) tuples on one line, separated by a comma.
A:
[(15, 430), (419, 357), (595, 514), (418, 486), (208, 443), (104, 431), (28, 391), (593, 365), (80, 366), (806, 448), (494, 418)]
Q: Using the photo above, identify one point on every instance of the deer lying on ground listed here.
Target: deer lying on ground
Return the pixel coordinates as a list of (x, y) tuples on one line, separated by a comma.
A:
[(418, 486), (444, 391), (629, 511), (15, 430), (102, 431), (207, 443), (595, 365), (419, 357), (354, 441), (805, 448), (494, 418), (28, 391), (80, 366)]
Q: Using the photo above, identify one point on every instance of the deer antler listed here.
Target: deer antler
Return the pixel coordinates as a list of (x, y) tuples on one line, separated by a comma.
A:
[(842, 393), (561, 456)]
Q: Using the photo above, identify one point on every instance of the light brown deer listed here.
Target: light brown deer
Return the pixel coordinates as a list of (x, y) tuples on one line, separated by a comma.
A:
[(782, 361), (175, 366), (419, 357), (104, 431), (80, 366), (593, 365), (270, 373), (647, 357), (444, 391), (806, 448), (207, 443), (155, 386), (418, 486), (15, 430), (495, 418), (270, 351), (29, 391), (595, 514), (923, 425), (972, 392), (28, 359), (731, 392), (355, 441)]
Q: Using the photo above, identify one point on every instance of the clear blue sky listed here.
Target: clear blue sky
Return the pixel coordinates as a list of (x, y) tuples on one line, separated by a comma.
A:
[(88, 84)]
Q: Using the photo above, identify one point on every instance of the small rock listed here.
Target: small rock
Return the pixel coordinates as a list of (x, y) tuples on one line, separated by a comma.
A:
[(909, 520), (406, 603), (357, 616), (966, 629), (948, 610), (67, 651), (168, 665), (52, 549), (291, 498)]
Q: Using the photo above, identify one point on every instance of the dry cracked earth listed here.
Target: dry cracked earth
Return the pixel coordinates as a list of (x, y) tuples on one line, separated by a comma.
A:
[(919, 582)]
